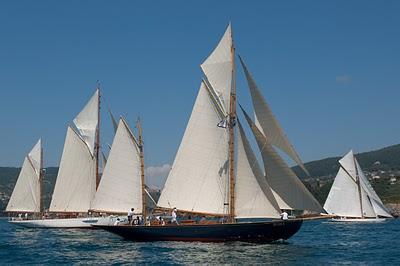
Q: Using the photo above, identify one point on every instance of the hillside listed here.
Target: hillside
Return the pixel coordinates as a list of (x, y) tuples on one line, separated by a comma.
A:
[(380, 166)]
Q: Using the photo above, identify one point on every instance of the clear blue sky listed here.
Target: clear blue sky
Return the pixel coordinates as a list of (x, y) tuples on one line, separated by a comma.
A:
[(329, 69)]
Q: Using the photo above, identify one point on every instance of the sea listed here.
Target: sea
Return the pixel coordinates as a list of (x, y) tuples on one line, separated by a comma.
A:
[(317, 243)]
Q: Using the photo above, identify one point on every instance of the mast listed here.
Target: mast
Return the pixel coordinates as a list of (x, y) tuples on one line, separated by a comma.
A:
[(232, 122), (358, 186), (41, 187), (97, 144), (141, 154)]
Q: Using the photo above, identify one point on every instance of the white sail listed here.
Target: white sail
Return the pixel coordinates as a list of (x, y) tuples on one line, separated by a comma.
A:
[(376, 202), (76, 179), (198, 178), (120, 187), (284, 182), (254, 198), (26, 194), (218, 68), (86, 121), (269, 124), (344, 197)]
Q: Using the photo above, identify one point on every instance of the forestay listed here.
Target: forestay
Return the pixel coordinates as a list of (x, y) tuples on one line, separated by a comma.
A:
[(76, 179), (198, 178), (120, 187), (253, 198), (86, 121), (269, 124), (26, 194), (284, 182)]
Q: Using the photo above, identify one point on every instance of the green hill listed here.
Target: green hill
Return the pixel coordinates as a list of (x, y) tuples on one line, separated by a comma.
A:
[(383, 163)]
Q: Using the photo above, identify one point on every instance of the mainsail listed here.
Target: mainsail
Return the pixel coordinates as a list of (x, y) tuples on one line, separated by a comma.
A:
[(26, 194), (254, 198), (344, 197), (284, 182), (269, 124), (76, 180), (121, 187), (198, 178)]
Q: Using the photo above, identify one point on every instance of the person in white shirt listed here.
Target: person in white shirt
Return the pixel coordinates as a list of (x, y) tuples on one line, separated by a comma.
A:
[(174, 215), (130, 215), (284, 215), (117, 222)]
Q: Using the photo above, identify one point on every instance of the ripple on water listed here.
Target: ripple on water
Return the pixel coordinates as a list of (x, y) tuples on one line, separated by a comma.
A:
[(316, 243)]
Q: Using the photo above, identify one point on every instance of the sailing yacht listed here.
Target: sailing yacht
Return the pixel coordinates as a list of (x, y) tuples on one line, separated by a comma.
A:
[(215, 172), (352, 198), (78, 173), (26, 197)]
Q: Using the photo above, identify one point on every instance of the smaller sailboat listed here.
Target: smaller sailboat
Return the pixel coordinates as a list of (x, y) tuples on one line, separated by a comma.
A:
[(26, 199), (352, 198)]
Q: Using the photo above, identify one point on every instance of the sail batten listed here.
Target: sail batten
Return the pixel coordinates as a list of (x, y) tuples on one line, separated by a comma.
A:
[(120, 186), (26, 194), (267, 121)]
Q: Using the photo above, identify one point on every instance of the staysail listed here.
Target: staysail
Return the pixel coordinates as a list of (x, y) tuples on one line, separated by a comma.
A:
[(269, 124), (283, 181), (76, 180), (254, 198), (198, 178), (344, 197), (120, 187), (26, 194)]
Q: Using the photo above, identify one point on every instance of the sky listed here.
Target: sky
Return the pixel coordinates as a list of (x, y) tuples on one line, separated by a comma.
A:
[(330, 70)]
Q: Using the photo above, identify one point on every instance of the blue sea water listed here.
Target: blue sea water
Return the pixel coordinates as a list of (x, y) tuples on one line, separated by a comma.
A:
[(318, 242)]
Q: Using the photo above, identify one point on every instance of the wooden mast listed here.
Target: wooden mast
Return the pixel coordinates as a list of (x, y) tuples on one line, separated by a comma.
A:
[(41, 187), (358, 186), (97, 145), (232, 123), (141, 151)]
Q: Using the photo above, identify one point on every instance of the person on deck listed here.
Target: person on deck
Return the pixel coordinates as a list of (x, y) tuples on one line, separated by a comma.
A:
[(130, 215), (174, 215), (284, 215)]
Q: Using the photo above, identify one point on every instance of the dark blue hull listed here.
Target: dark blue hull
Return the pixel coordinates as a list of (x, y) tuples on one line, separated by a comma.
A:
[(249, 232)]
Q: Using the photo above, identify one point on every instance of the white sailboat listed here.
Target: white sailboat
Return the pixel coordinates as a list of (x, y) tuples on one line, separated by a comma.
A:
[(215, 172), (352, 197), (78, 173), (289, 190), (26, 196)]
